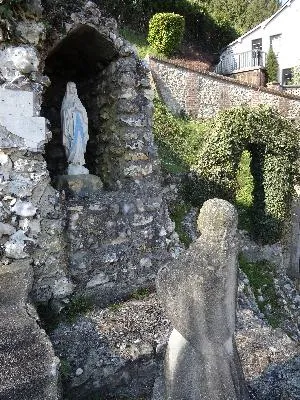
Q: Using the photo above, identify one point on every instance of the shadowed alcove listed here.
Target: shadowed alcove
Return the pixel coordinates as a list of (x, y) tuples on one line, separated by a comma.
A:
[(81, 57)]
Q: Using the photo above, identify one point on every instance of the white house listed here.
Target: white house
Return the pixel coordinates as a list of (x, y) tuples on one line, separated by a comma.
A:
[(281, 32)]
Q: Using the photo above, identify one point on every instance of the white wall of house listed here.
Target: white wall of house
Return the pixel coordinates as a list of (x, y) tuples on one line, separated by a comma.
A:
[(286, 23)]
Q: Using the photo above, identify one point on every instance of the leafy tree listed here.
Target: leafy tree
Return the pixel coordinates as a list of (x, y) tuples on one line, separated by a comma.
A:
[(272, 66), (258, 11)]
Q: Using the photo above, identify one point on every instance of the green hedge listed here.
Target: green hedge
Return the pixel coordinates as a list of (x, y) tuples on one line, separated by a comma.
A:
[(166, 32), (272, 141)]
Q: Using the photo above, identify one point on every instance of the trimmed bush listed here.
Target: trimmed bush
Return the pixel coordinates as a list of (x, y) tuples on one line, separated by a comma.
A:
[(272, 66), (166, 32), (272, 143)]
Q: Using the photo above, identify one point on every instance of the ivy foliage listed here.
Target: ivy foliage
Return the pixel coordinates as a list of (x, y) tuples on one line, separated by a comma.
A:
[(166, 32), (272, 66), (179, 138), (272, 141), (11, 8)]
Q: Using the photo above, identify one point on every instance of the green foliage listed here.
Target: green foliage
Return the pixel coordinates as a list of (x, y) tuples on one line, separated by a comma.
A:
[(166, 32), (244, 193), (295, 76), (50, 318), (202, 28), (11, 8), (78, 305), (261, 278), (178, 138), (140, 294), (138, 39), (178, 211), (115, 307), (272, 142), (65, 369), (242, 15), (272, 66)]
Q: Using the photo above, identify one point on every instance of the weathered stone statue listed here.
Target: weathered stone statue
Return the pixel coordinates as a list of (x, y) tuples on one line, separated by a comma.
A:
[(74, 122), (198, 292)]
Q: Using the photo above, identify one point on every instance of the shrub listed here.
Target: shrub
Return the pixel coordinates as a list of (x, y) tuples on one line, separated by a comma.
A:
[(272, 143), (166, 32), (272, 66)]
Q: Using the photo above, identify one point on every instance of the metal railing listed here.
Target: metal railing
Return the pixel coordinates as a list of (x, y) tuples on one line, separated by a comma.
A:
[(241, 61)]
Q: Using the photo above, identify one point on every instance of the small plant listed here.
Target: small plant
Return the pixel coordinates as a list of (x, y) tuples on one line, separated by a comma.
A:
[(261, 278), (11, 8), (115, 307), (177, 213), (77, 306), (166, 32), (272, 66), (140, 294), (64, 369)]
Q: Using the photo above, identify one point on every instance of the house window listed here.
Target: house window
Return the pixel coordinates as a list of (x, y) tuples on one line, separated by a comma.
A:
[(287, 76), (275, 42), (256, 52), (257, 44)]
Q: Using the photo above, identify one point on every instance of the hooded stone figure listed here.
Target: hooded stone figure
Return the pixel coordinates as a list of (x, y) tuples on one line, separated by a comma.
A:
[(198, 292), (74, 123)]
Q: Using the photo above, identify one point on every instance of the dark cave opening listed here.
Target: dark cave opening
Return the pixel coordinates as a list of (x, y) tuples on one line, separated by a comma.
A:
[(81, 57)]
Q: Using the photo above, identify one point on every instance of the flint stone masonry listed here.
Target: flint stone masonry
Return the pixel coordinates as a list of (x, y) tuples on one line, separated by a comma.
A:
[(80, 238), (17, 116), (116, 240), (204, 94), (198, 292)]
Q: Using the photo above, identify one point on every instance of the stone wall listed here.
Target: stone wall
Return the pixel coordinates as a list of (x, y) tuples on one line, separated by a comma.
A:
[(81, 239), (256, 77), (204, 94), (294, 90)]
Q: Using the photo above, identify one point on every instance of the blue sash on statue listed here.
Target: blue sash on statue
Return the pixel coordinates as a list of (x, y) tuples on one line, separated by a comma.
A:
[(78, 129)]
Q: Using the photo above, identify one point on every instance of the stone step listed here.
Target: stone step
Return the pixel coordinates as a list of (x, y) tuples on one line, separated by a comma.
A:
[(15, 281), (28, 366)]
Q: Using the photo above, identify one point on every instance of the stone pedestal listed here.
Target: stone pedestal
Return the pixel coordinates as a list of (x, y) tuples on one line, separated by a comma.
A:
[(79, 185)]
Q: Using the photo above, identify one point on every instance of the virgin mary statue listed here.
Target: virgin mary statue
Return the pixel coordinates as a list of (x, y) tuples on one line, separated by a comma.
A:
[(74, 123)]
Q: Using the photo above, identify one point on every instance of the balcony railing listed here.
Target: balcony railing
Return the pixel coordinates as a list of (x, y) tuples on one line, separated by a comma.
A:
[(231, 63)]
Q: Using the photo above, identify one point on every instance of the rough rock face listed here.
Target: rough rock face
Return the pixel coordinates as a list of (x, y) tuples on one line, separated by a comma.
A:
[(118, 351), (81, 238), (107, 230), (128, 233), (29, 368)]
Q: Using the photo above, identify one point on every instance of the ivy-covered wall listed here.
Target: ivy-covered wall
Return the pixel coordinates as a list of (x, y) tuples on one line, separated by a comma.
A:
[(272, 141)]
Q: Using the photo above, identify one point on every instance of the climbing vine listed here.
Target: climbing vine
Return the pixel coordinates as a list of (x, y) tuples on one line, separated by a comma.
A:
[(272, 141)]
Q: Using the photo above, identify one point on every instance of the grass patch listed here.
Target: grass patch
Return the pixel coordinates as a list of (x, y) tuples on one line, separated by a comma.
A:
[(177, 213), (139, 40), (261, 277), (65, 369), (140, 294), (115, 307), (50, 319), (77, 306), (179, 138)]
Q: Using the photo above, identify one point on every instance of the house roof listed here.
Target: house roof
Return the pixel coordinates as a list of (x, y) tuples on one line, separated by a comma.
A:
[(264, 23)]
